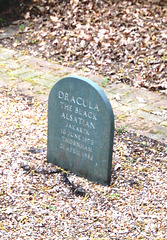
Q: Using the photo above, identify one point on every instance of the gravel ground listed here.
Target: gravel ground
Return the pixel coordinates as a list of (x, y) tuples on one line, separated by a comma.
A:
[(41, 201)]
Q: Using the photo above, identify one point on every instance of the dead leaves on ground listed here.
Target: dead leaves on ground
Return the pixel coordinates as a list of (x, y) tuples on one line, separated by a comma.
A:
[(121, 40)]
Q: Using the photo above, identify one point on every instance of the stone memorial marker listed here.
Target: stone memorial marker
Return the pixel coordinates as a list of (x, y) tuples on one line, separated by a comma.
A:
[(80, 129)]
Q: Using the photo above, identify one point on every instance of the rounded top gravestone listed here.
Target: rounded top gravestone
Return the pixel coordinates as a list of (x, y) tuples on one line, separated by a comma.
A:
[(80, 129)]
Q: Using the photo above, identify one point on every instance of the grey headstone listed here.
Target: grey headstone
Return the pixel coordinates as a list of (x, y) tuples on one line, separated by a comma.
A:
[(80, 129)]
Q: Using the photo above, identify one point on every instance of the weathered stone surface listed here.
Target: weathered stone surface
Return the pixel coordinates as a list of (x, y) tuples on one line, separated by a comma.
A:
[(80, 129)]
